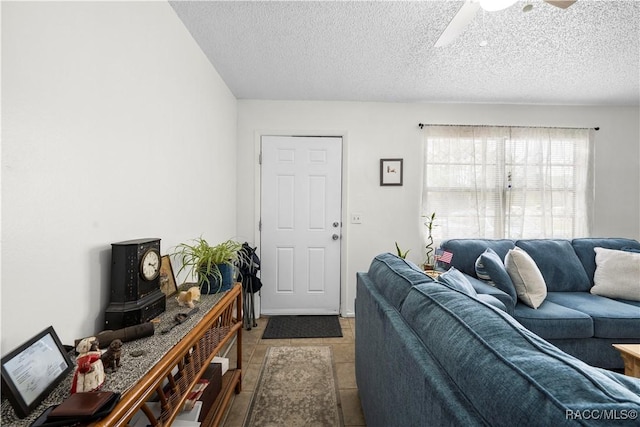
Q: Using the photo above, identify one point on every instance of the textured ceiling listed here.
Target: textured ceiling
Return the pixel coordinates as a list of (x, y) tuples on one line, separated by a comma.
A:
[(383, 51)]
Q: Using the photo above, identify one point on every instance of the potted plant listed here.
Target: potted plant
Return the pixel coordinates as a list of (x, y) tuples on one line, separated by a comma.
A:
[(213, 265), (429, 262), (401, 254)]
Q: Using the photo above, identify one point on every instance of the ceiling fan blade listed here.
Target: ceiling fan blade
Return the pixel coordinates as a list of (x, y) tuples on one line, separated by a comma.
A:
[(459, 22), (563, 4)]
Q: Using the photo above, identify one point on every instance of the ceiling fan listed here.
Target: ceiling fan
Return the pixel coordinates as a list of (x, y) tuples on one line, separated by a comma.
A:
[(469, 9)]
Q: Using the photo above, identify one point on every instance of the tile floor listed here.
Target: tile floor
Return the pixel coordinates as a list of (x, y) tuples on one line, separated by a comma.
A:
[(254, 349)]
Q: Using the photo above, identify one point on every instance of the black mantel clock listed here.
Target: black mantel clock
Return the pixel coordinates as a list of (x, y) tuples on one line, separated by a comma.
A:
[(135, 295)]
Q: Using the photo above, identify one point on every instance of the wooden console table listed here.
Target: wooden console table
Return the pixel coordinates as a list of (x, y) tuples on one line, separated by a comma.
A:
[(170, 365), (191, 357)]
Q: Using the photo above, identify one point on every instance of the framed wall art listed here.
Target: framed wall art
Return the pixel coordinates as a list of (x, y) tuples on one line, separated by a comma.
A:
[(167, 278), (391, 171)]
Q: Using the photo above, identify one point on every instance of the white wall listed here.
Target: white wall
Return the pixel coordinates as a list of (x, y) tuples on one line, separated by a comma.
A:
[(115, 127), (380, 130)]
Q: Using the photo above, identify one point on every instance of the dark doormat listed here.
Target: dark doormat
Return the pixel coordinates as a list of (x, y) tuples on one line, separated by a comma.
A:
[(302, 327)]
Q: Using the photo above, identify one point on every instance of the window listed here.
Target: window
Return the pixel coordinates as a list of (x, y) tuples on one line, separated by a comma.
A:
[(501, 182)]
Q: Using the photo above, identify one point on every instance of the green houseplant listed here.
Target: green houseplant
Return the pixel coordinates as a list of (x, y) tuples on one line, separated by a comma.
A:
[(401, 254), (429, 262), (213, 265)]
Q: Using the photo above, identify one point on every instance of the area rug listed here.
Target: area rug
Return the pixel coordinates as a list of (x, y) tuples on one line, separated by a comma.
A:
[(297, 387), (302, 327)]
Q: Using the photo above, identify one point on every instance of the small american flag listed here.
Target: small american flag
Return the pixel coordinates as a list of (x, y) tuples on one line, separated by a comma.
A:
[(444, 256)]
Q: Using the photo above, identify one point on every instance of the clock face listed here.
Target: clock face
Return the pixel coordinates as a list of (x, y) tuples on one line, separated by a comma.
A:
[(150, 265)]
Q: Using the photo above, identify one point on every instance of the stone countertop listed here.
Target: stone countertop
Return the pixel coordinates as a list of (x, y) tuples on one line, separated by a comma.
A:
[(133, 368)]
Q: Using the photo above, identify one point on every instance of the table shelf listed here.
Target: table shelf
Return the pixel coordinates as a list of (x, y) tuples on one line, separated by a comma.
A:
[(190, 357)]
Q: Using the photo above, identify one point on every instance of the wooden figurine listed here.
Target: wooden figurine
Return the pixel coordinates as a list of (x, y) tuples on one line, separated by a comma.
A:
[(111, 357)]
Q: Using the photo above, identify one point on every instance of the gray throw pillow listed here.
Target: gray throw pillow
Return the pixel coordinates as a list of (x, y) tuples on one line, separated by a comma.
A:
[(617, 274), (456, 280)]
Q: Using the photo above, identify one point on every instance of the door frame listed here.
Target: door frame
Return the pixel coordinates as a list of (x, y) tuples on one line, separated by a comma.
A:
[(343, 216)]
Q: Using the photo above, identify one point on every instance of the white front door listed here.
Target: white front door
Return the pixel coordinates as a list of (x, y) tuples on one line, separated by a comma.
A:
[(300, 225)]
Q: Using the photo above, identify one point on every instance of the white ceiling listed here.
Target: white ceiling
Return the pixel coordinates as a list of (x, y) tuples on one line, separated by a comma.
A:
[(383, 51)]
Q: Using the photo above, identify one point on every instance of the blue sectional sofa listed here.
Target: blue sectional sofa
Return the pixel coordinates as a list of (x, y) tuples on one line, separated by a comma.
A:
[(570, 317), (428, 354)]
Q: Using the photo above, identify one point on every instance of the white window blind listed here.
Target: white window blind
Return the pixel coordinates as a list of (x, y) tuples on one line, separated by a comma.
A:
[(501, 182)]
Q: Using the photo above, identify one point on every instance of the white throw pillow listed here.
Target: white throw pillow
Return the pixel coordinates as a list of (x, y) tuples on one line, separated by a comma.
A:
[(526, 277), (617, 274)]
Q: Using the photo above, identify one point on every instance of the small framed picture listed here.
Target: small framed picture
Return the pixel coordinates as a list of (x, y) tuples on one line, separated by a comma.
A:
[(390, 171), (167, 278), (33, 370)]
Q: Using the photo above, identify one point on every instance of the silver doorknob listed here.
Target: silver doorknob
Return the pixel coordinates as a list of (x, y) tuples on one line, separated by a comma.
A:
[(335, 237)]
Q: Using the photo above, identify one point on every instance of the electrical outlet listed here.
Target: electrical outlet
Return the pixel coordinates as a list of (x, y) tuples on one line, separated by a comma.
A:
[(356, 218)]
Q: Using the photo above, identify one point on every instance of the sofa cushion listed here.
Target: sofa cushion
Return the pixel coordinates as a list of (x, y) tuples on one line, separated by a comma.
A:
[(493, 301), (466, 251), (525, 275), (617, 274), (630, 302), (462, 282), (611, 318), (553, 321), (584, 249), (558, 263), (483, 349), (482, 288), (497, 272), (457, 280), (394, 277)]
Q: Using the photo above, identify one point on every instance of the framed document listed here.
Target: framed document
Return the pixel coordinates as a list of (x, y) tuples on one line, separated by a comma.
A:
[(33, 370)]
